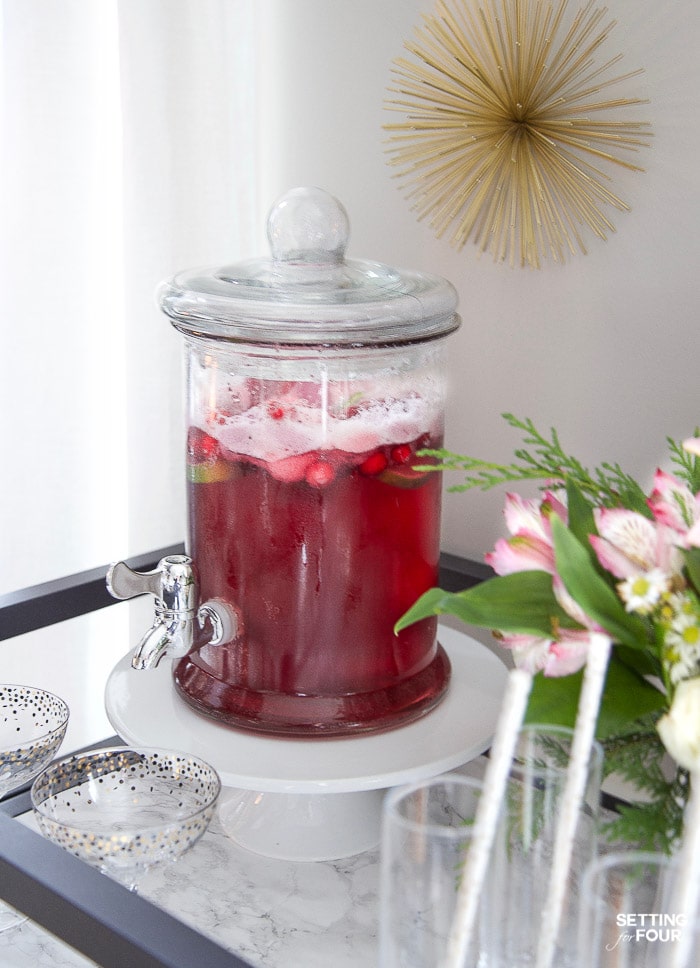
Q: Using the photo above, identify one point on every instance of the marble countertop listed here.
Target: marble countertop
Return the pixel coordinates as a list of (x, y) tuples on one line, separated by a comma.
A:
[(272, 913)]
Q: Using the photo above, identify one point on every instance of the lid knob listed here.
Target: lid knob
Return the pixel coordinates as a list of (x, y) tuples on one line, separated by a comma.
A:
[(308, 225)]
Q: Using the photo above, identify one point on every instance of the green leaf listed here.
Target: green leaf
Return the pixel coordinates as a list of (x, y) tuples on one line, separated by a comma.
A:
[(581, 521), (645, 662), (430, 603), (554, 699), (590, 591), (692, 565), (522, 602), (626, 698)]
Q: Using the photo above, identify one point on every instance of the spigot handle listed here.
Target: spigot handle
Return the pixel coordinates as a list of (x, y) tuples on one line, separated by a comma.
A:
[(174, 588), (123, 582), (172, 583)]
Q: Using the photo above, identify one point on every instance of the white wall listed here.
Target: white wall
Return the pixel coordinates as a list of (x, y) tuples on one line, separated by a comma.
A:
[(606, 347)]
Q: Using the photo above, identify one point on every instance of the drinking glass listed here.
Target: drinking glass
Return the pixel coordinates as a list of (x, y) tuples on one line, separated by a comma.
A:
[(123, 810), (628, 915), (520, 869), (425, 840), (426, 832), (33, 723)]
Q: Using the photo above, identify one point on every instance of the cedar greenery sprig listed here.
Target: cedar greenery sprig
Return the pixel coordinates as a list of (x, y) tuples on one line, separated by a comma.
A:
[(687, 465), (543, 458), (655, 821)]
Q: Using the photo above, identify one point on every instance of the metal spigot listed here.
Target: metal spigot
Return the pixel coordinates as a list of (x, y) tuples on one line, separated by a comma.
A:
[(174, 587)]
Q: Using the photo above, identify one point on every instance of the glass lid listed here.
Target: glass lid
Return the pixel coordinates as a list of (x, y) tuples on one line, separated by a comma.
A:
[(307, 293)]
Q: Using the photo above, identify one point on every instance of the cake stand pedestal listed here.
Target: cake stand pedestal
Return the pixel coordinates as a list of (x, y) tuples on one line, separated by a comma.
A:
[(314, 799)]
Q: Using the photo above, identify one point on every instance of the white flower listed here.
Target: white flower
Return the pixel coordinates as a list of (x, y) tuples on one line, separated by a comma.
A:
[(641, 592), (681, 648), (679, 729), (681, 664)]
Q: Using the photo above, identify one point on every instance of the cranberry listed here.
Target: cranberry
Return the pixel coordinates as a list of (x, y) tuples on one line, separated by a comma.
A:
[(275, 410), (201, 447), (401, 454), (374, 464), (319, 473)]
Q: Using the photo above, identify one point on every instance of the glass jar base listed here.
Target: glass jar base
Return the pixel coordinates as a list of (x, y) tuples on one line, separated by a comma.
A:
[(287, 714)]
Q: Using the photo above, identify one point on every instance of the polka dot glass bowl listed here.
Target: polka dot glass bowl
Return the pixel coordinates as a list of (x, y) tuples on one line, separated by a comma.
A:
[(123, 810), (33, 723)]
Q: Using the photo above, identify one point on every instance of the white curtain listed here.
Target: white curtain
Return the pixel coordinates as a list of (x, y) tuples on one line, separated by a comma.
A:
[(128, 143), (128, 147)]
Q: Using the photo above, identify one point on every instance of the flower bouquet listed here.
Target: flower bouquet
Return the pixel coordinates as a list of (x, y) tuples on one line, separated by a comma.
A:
[(596, 553)]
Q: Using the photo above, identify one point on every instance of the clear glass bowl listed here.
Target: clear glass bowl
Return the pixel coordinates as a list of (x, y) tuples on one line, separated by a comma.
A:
[(33, 723), (123, 810)]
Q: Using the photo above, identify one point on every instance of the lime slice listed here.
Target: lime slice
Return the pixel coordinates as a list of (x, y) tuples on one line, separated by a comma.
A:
[(208, 473), (403, 477)]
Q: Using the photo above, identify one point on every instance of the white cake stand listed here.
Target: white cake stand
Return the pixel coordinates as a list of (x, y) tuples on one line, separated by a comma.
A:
[(314, 799)]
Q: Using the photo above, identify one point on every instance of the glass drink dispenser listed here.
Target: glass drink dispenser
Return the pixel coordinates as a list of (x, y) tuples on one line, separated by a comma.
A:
[(313, 382)]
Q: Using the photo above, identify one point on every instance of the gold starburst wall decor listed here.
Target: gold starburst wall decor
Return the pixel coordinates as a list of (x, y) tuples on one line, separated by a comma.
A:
[(511, 126)]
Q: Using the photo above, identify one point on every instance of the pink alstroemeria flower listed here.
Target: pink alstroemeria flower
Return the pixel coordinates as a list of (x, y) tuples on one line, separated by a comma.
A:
[(674, 505), (628, 544), (521, 553), (572, 607), (530, 545), (553, 657), (529, 548)]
